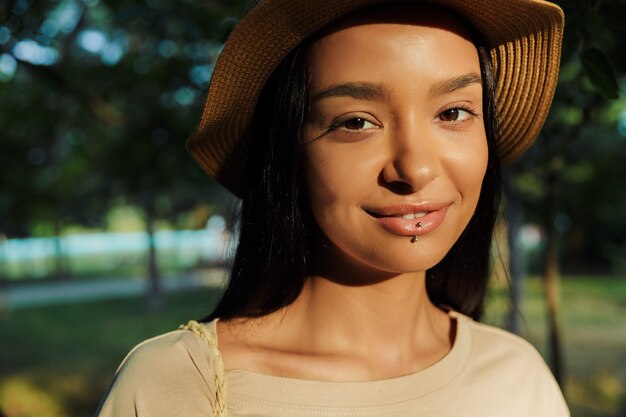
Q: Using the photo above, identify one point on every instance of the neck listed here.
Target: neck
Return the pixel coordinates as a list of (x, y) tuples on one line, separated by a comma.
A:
[(396, 313), (351, 305), (388, 328), (340, 331)]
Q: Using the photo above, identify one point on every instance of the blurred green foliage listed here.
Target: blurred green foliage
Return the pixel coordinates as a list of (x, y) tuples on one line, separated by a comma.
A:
[(583, 143), (96, 101)]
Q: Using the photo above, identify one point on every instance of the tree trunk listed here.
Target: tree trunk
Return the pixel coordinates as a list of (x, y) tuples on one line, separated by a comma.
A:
[(155, 293), (517, 271), (551, 270), (60, 270)]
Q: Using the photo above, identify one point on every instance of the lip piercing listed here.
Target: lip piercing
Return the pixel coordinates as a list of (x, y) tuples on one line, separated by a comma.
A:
[(419, 226)]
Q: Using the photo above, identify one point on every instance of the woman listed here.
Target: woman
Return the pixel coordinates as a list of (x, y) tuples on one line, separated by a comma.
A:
[(362, 139)]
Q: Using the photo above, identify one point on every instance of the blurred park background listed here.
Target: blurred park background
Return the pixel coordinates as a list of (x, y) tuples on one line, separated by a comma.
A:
[(110, 233)]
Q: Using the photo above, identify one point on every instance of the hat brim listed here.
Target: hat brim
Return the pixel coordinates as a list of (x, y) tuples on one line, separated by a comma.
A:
[(523, 38)]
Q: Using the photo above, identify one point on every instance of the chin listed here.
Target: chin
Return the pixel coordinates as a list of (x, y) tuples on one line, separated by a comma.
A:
[(386, 259), (411, 261)]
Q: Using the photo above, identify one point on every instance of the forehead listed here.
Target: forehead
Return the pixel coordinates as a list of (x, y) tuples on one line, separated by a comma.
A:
[(411, 43)]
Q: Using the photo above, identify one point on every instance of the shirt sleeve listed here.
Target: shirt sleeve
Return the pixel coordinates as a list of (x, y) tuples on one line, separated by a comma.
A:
[(169, 375), (509, 377)]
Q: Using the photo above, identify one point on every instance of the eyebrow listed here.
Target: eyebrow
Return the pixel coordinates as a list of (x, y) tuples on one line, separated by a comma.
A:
[(359, 91), (454, 84), (371, 91)]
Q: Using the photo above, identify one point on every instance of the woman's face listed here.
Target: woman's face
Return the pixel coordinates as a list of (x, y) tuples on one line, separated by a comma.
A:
[(394, 144)]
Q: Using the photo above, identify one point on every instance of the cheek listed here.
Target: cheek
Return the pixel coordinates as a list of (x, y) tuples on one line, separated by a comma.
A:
[(338, 175), (322, 182), (468, 169), (322, 179)]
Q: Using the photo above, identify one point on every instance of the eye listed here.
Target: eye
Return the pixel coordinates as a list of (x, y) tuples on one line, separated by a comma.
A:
[(456, 114), (351, 126), (356, 123)]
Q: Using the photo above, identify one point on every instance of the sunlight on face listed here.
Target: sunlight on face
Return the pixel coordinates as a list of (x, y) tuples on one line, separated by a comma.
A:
[(395, 144)]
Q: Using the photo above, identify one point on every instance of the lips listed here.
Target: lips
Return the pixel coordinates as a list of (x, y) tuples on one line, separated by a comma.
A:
[(408, 216), (410, 219)]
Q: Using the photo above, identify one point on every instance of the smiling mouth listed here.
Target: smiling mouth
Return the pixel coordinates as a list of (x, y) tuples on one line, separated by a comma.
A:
[(410, 220)]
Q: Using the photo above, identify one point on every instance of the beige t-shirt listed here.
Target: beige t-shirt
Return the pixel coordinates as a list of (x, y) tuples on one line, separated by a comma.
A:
[(487, 373)]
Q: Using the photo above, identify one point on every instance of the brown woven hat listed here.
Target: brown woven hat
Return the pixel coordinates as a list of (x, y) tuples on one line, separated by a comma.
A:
[(522, 36)]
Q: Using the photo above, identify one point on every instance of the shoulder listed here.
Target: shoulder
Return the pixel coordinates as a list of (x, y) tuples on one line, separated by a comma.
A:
[(493, 343), (171, 374), (172, 354), (506, 368)]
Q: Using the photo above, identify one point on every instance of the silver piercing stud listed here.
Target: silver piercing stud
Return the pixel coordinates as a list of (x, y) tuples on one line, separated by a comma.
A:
[(419, 226)]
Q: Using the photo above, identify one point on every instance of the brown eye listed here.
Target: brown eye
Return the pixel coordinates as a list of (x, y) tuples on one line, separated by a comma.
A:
[(354, 125), (456, 115), (450, 115), (357, 123)]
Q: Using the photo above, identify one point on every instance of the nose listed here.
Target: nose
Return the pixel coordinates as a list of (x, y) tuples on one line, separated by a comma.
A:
[(413, 158)]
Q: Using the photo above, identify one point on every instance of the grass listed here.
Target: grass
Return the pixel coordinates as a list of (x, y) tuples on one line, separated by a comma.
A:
[(57, 361)]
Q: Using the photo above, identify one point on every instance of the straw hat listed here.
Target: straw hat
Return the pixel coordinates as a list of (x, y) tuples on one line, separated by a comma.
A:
[(522, 36)]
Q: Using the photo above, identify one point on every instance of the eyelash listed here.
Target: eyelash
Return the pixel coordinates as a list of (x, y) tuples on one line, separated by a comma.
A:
[(466, 109), (340, 123)]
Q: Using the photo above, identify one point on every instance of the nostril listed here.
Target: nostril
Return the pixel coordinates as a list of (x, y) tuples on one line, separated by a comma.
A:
[(407, 170), (400, 187), (397, 187)]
